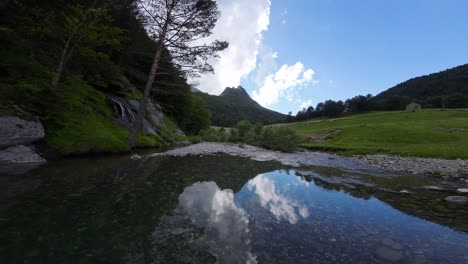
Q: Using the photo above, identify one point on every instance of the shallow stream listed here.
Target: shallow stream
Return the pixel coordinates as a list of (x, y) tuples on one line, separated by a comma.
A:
[(223, 209)]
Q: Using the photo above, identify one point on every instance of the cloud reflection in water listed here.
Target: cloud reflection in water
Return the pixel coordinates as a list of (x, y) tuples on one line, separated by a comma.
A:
[(279, 205), (224, 223)]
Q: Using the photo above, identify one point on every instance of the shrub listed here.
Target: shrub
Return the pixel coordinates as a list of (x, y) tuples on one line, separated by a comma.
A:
[(210, 135), (280, 138), (251, 137), (223, 135), (276, 138), (258, 128), (243, 127), (195, 139), (199, 118), (234, 135)]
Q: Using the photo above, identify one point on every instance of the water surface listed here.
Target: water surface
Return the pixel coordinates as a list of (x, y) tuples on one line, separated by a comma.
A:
[(221, 209)]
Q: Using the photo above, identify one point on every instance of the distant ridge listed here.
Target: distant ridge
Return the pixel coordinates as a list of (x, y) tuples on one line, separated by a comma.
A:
[(428, 89), (234, 104)]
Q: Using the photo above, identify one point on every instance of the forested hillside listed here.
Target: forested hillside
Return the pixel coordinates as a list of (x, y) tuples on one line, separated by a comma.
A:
[(234, 105), (445, 89), (449, 87), (67, 62)]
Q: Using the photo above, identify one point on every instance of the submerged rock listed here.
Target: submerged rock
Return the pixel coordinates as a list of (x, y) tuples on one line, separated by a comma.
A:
[(19, 160), (462, 190), (20, 154), (419, 259), (433, 188), (389, 254), (135, 157), (17, 131), (390, 243), (457, 199)]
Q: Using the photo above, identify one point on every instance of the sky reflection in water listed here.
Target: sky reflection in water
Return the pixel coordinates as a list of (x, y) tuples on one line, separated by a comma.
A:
[(278, 217)]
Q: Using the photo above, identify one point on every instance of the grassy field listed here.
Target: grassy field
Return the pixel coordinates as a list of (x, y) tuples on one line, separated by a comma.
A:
[(428, 133)]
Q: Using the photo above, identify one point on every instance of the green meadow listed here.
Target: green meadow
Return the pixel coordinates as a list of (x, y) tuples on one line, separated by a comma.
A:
[(427, 133)]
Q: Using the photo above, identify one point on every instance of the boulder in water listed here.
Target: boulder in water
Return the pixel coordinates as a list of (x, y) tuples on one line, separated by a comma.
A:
[(389, 254), (17, 131), (462, 200), (20, 154), (135, 157), (18, 160), (432, 188)]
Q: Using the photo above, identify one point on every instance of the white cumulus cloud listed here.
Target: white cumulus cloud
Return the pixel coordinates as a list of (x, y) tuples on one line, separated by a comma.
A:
[(267, 64), (283, 82), (242, 23)]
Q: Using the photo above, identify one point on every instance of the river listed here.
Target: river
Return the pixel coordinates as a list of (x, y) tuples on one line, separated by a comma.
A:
[(225, 209)]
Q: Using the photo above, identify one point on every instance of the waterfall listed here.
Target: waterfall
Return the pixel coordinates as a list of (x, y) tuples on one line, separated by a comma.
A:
[(124, 114)]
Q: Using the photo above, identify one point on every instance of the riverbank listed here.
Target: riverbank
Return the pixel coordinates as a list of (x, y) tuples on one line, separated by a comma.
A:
[(27, 141), (419, 166), (294, 159), (376, 163)]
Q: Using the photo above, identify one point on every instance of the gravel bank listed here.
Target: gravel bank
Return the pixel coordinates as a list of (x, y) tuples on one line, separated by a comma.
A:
[(295, 159), (375, 163), (421, 166)]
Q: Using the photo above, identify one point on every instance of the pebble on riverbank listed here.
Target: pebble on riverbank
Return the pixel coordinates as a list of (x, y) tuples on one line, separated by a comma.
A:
[(377, 163), (462, 200), (295, 159), (421, 166)]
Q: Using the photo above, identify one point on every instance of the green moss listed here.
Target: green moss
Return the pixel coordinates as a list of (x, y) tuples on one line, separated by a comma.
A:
[(76, 138), (148, 141), (79, 121), (137, 95), (169, 124), (167, 132), (77, 118), (166, 135)]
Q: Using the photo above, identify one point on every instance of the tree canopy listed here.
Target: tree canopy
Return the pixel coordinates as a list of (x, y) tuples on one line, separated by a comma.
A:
[(180, 28)]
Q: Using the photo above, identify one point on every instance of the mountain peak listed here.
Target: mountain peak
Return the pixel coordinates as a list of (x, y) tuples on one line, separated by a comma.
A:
[(232, 91)]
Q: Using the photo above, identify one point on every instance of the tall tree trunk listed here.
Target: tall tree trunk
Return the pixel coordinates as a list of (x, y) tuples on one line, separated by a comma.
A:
[(138, 123), (65, 55), (61, 65)]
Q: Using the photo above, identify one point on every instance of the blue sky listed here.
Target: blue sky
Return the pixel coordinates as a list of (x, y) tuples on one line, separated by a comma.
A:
[(308, 51)]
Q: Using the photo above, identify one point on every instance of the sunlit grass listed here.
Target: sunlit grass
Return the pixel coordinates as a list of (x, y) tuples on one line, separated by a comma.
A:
[(428, 133)]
